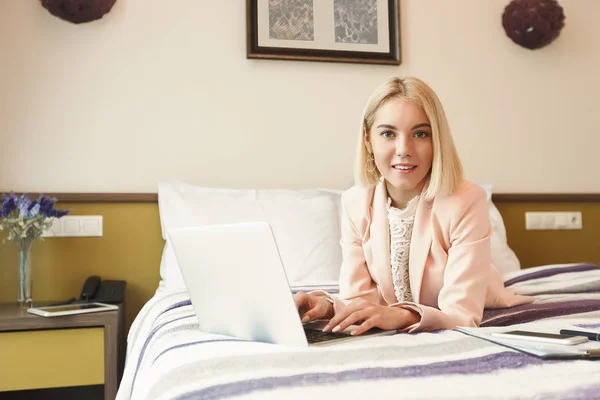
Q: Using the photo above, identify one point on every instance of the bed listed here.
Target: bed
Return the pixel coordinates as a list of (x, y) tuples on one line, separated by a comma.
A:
[(169, 357)]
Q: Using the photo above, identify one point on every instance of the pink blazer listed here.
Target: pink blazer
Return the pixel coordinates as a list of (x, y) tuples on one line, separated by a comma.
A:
[(452, 278)]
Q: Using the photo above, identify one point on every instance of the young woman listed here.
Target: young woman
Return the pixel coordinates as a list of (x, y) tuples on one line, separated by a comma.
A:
[(415, 234)]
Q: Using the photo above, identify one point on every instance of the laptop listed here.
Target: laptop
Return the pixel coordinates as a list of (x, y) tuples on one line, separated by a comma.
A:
[(238, 287)]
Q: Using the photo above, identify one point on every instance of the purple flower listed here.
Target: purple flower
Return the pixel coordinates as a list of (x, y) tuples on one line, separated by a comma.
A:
[(44, 206), (57, 213), (61, 213), (34, 209), (9, 204), (24, 204)]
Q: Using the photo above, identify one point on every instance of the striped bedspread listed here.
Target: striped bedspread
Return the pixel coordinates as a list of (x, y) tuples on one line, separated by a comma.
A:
[(168, 357)]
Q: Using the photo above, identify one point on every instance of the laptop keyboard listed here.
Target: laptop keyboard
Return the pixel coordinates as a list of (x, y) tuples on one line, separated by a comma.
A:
[(317, 336)]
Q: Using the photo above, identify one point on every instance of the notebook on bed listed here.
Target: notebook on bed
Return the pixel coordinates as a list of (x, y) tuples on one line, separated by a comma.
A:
[(238, 287), (589, 349)]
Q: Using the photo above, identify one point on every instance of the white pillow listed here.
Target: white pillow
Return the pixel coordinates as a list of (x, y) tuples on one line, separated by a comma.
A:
[(503, 258), (170, 275), (305, 224)]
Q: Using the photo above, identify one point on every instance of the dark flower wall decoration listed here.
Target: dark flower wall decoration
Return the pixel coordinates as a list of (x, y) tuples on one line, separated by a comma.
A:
[(533, 24), (78, 11)]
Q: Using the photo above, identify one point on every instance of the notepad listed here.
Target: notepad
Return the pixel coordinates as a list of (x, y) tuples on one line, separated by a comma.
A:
[(588, 350), (71, 309)]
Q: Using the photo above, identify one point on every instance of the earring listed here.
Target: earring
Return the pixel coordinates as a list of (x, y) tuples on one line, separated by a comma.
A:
[(371, 167)]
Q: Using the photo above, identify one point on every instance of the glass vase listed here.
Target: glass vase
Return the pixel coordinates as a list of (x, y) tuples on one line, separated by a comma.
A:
[(25, 277)]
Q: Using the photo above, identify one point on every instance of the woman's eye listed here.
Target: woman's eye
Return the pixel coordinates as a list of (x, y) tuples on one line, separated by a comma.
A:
[(387, 134), (422, 134)]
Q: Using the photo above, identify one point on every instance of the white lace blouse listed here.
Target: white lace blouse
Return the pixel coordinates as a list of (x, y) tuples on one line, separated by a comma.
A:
[(401, 225)]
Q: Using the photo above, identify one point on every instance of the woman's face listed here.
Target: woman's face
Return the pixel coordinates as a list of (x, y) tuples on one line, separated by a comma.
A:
[(400, 140)]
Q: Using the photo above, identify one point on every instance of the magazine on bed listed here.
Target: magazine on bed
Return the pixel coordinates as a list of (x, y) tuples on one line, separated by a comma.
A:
[(587, 350)]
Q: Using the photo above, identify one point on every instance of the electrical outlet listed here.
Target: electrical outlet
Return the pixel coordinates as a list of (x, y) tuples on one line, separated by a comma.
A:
[(75, 225), (559, 220)]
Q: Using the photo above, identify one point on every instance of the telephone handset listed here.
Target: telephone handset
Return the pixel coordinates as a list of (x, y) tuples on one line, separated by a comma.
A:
[(104, 291), (90, 288)]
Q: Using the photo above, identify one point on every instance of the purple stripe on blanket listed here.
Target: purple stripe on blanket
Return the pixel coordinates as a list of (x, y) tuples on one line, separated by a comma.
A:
[(314, 285), (149, 338), (197, 342), (330, 291), (588, 326), (582, 394), (182, 303), (532, 312), (551, 272), (478, 365)]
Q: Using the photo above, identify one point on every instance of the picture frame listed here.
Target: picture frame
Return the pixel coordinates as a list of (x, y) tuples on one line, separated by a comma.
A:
[(345, 31)]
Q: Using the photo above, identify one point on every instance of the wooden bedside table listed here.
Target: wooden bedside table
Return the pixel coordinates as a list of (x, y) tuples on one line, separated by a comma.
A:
[(66, 351)]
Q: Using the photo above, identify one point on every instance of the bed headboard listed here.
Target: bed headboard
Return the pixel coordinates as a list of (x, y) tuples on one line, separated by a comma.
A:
[(538, 247), (131, 245)]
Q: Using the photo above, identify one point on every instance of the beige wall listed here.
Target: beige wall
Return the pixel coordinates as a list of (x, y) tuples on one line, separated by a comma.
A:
[(159, 90)]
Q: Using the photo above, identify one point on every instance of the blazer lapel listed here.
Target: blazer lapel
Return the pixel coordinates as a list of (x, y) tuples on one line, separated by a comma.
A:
[(420, 245), (380, 237)]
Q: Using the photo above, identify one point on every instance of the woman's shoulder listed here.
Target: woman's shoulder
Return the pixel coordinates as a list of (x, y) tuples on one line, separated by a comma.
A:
[(464, 197), (357, 200), (358, 195), (466, 190)]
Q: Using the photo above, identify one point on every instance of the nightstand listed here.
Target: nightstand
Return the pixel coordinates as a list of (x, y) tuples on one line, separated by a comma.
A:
[(57, 352)]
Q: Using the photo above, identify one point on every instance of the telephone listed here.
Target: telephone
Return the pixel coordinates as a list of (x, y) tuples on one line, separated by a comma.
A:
[(103, 291)]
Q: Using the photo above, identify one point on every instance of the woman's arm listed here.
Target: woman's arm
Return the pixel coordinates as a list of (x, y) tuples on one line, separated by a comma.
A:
[(462, 298), (355, 282)]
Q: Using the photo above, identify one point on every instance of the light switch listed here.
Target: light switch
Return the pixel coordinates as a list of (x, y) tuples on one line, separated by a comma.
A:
[(71, 226), (532, 221), (55, 229), (553, 220), (91, 226), (75, 225)]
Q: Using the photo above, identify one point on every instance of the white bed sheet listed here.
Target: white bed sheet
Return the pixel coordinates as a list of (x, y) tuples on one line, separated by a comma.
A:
[(169, 358)]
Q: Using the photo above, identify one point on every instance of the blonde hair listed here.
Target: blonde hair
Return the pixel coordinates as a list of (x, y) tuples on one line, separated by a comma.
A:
[(446, 167)]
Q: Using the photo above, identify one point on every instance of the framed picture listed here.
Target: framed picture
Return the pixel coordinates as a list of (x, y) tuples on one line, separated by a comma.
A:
[(352, 31)]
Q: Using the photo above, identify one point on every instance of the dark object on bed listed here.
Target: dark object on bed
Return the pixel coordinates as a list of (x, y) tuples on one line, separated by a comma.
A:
[(78, 11), (533, 24)]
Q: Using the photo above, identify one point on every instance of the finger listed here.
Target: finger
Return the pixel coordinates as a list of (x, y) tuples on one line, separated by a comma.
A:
[(352, 319), (302, 303), (341, 314), (365, 326), (300, 298), (313, 314), (337, 318)]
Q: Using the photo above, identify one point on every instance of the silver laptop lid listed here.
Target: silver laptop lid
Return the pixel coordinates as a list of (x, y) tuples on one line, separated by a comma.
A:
[(237, 283)]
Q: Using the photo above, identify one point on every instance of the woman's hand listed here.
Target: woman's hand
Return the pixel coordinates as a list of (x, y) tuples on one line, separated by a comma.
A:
[(369, 315), (311, 307)]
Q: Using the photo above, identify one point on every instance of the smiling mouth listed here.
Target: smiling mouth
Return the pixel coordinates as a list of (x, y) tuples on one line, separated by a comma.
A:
[(404, 167)]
